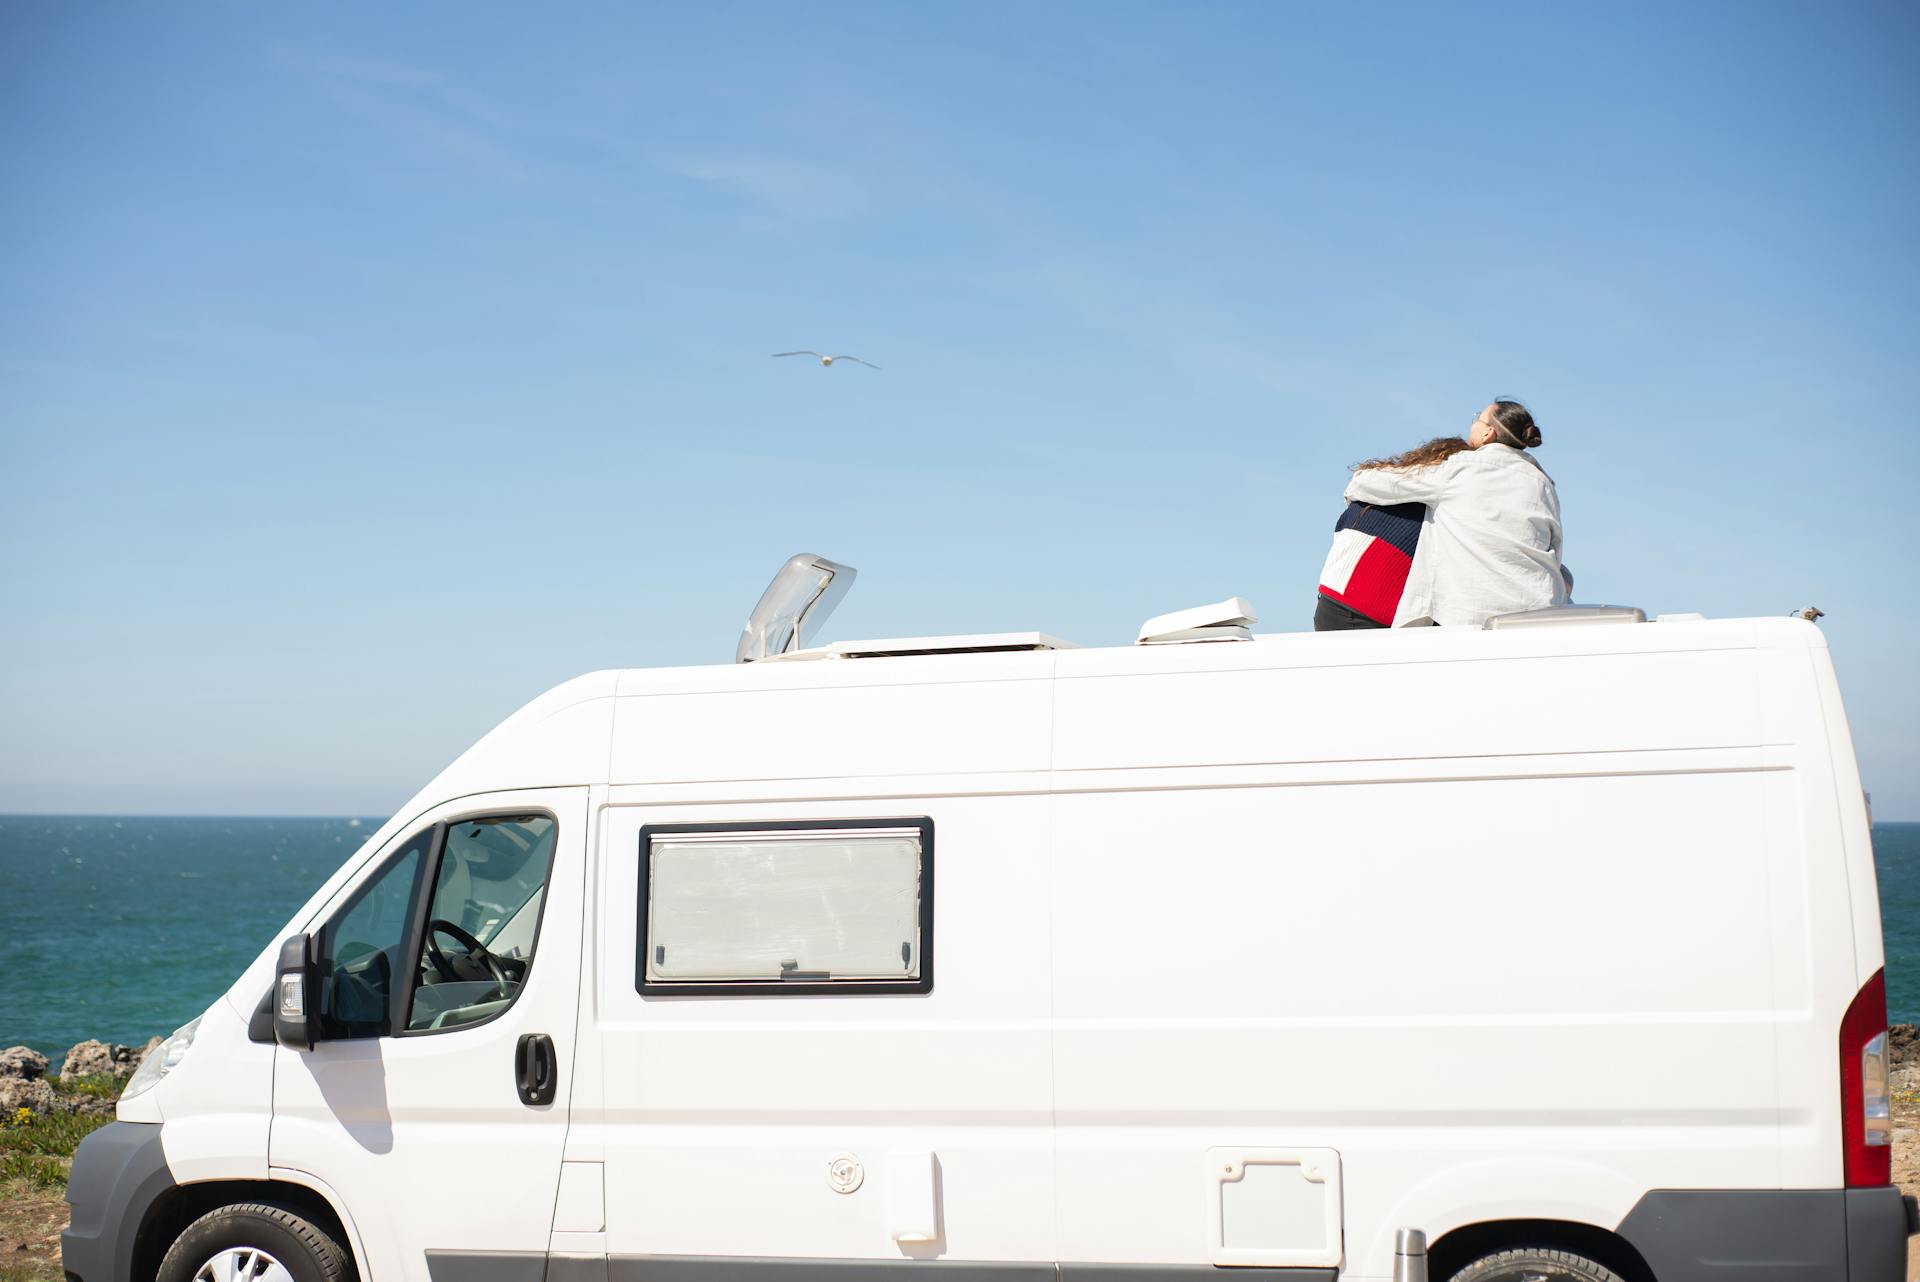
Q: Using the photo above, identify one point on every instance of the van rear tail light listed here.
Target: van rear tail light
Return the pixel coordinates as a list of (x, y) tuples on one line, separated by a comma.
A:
[(1866, 1105)]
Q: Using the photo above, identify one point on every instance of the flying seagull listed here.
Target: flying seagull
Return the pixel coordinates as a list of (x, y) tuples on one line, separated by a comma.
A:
[(828, 361)]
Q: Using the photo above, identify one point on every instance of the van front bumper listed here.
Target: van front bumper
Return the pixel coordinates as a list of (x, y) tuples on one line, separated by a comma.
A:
[(1812, 1235), (119, 1172)]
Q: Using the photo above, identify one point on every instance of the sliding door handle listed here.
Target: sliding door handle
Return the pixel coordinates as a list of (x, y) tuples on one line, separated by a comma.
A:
[(536, 1069)]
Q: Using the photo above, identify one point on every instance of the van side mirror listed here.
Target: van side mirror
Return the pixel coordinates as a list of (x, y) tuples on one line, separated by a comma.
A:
[(296, 994)]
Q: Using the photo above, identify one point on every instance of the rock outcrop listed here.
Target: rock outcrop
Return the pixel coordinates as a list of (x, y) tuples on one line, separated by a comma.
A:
[(103, 1059), (23, 1082), (26, 1092), (1903, 1045), (88, 1105), (23, 1062)]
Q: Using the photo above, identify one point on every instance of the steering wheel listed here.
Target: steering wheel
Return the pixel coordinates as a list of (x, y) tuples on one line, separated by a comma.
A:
[(476, 954)]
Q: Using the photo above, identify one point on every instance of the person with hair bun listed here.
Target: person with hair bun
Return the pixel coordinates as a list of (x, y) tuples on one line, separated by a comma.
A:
[(1489, 539)]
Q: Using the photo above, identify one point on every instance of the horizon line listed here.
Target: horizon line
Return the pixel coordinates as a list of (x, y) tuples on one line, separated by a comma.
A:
[(149, 814)]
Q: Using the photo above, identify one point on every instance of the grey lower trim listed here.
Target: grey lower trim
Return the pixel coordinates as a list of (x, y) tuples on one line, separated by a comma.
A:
[(482, 1266), (487, 1266), (1187, 1273), (1876, 1235), (576, 1268), (717, 1268), (722, 1268), (1808, 1235), (119, 1172)]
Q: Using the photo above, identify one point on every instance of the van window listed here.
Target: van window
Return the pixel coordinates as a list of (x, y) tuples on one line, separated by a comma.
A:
[(787, 907), (467, 950), (477, 944), (362, 948)]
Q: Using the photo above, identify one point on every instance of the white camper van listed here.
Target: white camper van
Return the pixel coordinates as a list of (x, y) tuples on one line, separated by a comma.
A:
[(1549, 950)]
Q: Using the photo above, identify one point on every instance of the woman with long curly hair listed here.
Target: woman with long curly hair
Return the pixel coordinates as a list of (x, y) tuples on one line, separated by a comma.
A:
[(1451, 532), (1373, 548)]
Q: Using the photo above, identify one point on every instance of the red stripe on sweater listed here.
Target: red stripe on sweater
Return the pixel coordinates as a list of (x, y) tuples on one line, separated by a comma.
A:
[(1378, 579)]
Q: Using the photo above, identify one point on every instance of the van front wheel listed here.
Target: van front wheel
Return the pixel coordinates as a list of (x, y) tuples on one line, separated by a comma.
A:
[(254, 1242), (1535, 1264)]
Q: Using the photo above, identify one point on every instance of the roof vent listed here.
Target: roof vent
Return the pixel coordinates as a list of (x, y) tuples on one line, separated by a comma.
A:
[(899, 647), (1567, 615), (1230, 620), (793, 607)]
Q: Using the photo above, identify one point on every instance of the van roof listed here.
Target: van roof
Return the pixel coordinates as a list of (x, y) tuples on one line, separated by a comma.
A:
[(564, 735)]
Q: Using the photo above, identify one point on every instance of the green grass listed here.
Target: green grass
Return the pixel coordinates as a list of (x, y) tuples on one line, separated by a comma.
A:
[(22, 1273), (35, 1169), (103, 1085), (36, 1148), (49, 1135)]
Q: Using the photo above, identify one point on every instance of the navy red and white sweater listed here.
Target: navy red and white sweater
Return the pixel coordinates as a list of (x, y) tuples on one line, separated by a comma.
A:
[(1373, 549)]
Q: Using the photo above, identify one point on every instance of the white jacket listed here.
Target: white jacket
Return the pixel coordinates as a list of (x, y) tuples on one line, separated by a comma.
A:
[(1491, 540)]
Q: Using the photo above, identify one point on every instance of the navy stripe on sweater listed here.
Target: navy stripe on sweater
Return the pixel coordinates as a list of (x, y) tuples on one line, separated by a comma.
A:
[(1398, 523)]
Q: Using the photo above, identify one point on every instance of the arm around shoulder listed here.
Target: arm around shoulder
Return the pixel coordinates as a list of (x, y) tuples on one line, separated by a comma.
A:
[(1402, 484)]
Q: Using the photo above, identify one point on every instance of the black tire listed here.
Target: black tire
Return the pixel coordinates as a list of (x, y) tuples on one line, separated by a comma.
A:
[(306, 1250), (1535, 1264)]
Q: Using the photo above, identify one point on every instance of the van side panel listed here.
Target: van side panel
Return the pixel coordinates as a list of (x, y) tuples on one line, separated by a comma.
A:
[(1509, 996), (1834, 889), (1830, 745), (1461, 927), (1520, 935), (724, 1115)]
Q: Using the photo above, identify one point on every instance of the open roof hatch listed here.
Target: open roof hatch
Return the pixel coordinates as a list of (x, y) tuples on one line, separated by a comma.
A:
[(1229, 620), (793, 607)]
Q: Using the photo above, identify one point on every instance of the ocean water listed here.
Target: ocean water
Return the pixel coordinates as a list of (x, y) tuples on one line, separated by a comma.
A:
[(121, 928), (1896, 857)]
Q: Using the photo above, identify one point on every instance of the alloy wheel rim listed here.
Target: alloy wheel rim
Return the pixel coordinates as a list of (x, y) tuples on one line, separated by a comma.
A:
[(242, 1264)]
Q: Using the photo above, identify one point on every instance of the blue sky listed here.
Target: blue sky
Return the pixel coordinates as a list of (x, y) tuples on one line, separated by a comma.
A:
[(365, 370)]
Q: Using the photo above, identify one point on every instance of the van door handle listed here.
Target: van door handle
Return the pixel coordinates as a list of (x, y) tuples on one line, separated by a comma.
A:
[(536, 1069)]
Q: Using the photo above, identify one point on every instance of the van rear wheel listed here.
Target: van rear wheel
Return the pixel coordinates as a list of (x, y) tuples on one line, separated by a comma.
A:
[(1535, 1264), (254, 1242)]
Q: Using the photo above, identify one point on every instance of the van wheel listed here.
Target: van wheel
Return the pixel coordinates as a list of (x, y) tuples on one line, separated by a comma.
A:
[(1535, 1264), (254, 1243)]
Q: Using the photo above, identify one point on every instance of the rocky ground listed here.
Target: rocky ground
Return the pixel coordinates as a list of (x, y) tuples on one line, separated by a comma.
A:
[(1905, 1047), (44, 1116)]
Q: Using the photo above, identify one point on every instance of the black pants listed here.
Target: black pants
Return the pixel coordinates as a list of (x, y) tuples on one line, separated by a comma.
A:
[(1330, 616)]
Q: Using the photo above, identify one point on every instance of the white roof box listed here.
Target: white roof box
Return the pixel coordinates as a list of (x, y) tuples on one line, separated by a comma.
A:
[(1567, 615), (1229, 620)]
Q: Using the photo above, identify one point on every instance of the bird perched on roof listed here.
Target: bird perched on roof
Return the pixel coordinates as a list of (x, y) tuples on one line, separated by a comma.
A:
[(827, 361)]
